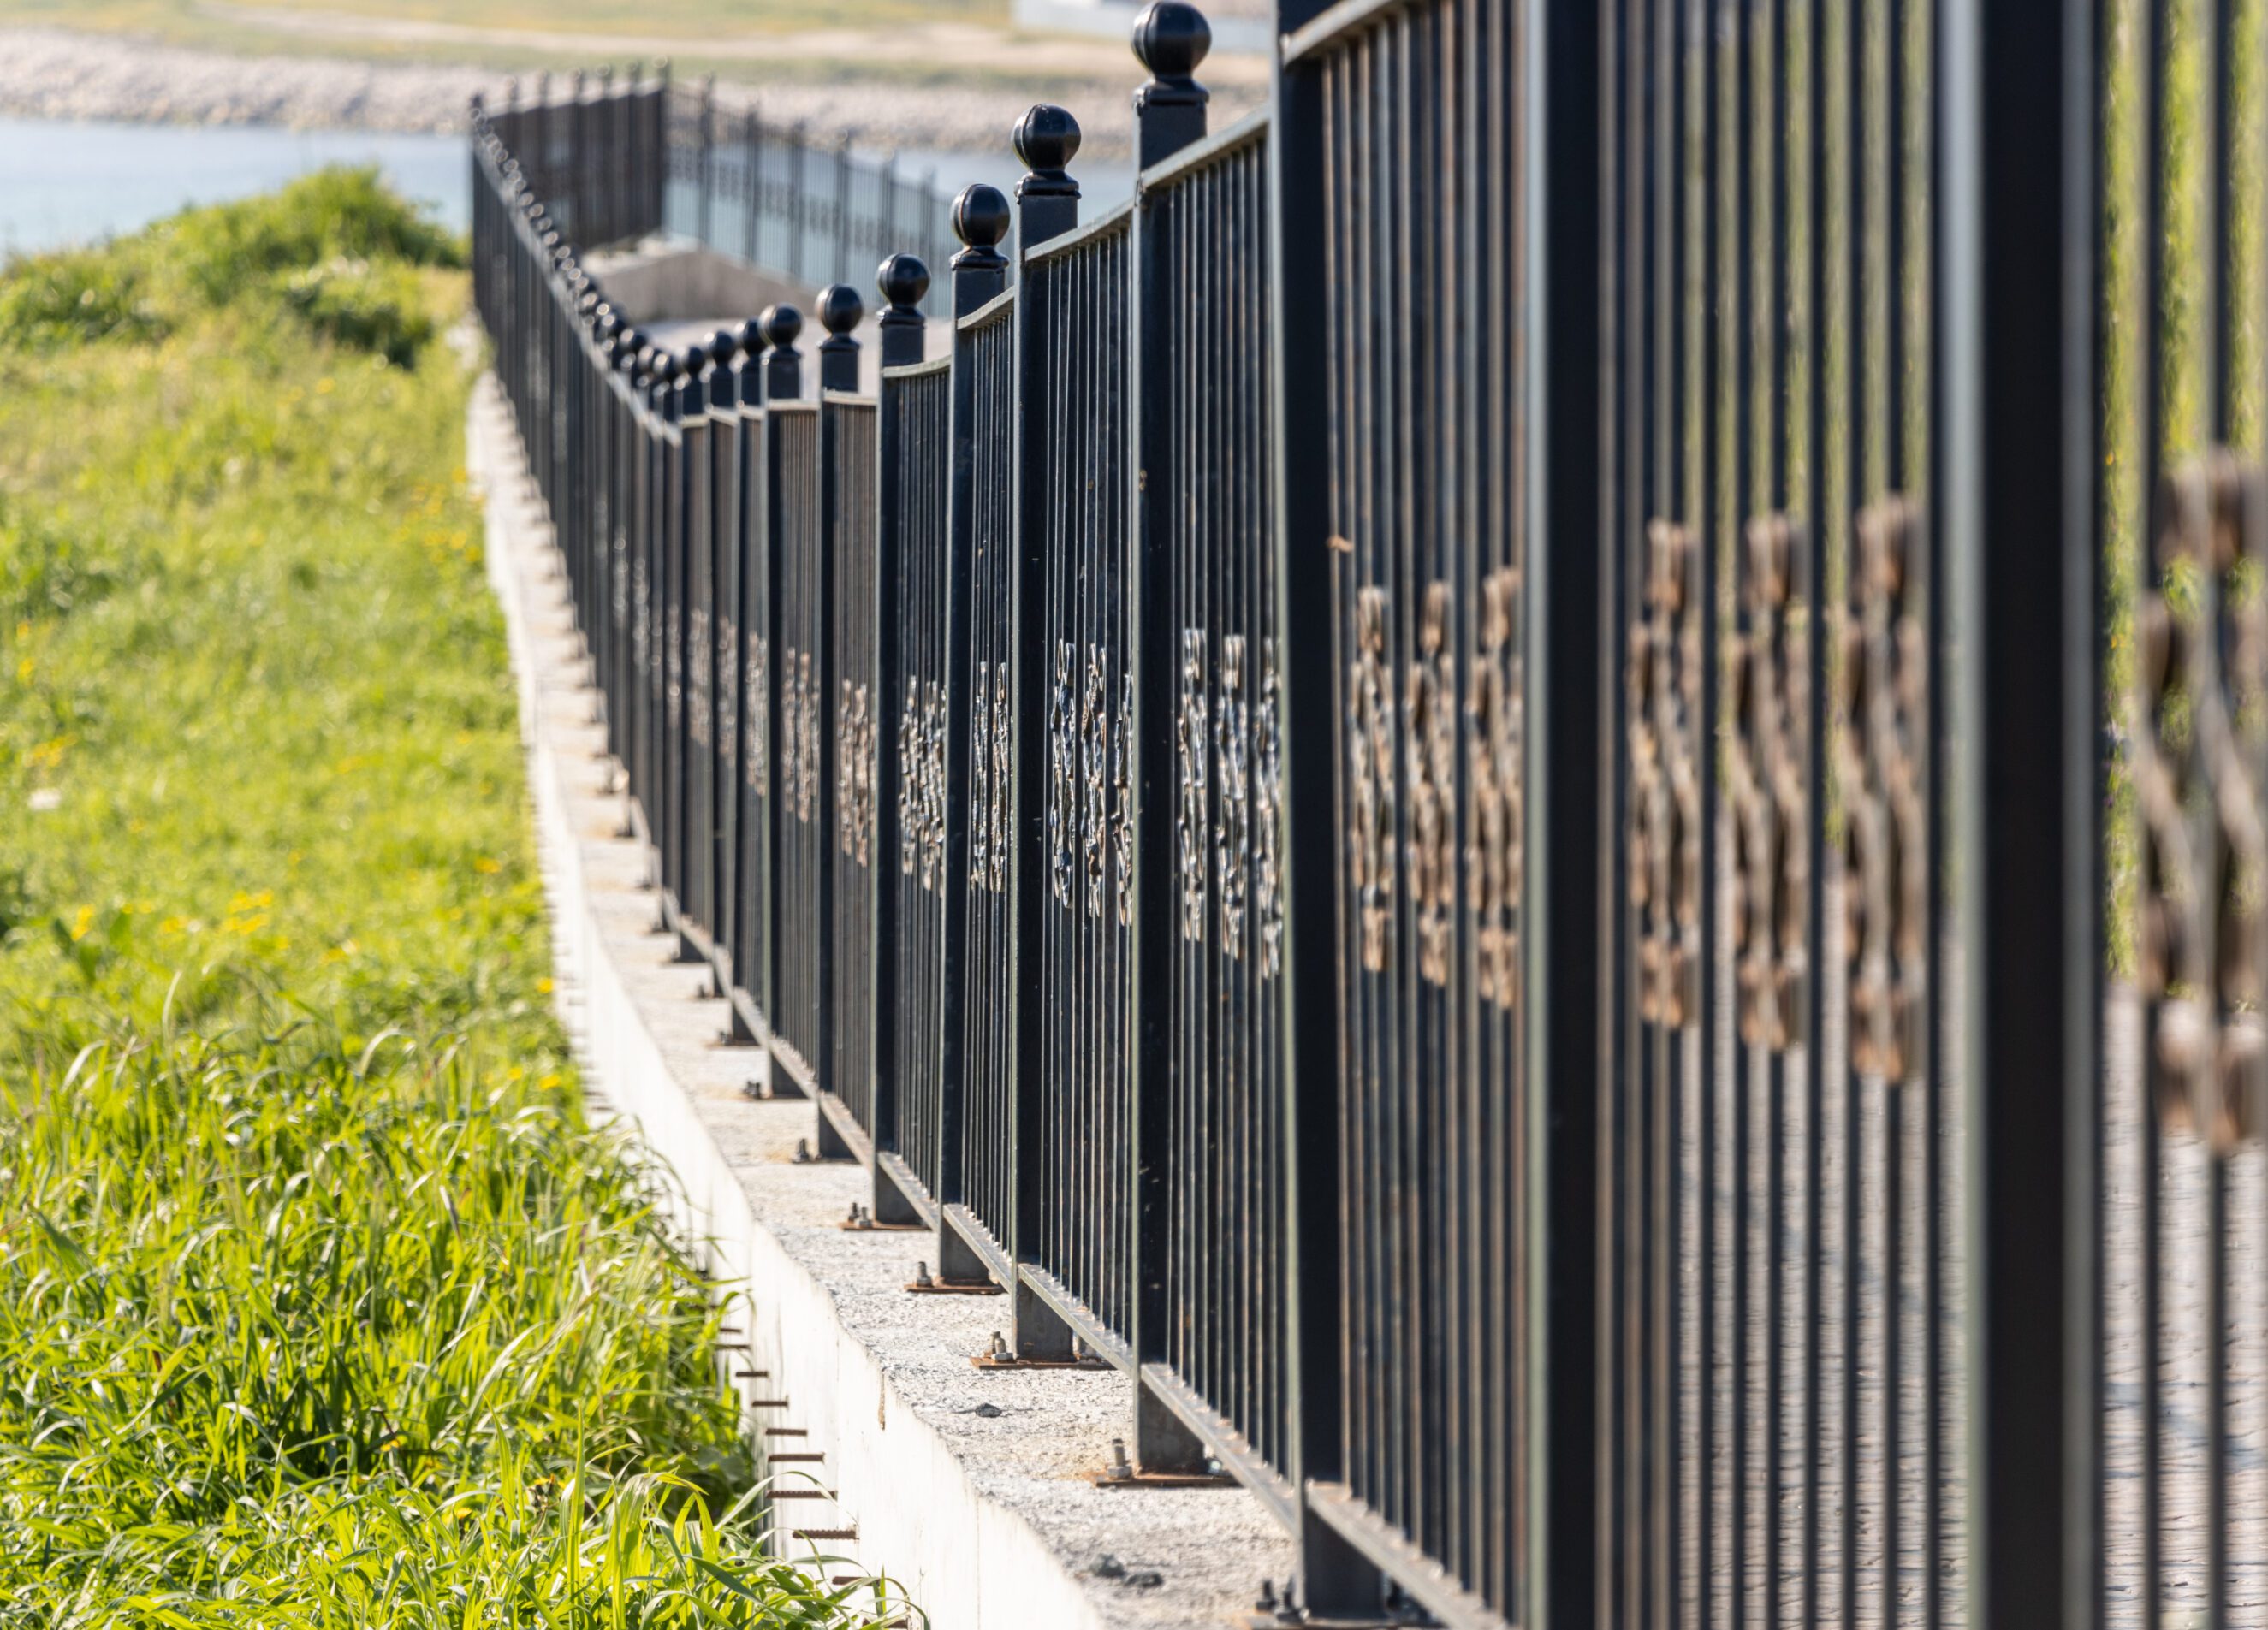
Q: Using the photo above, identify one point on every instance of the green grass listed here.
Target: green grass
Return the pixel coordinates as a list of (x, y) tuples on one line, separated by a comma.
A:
[(319, 1302)]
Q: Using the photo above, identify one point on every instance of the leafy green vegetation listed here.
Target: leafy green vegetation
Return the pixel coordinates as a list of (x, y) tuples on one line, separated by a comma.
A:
[(320, 1303)]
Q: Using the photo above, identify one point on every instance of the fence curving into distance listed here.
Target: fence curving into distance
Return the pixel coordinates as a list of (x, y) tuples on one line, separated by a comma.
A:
[(1546, 788)]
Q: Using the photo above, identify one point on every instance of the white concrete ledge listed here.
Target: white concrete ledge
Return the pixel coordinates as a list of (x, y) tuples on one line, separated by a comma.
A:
[(971, 1489)]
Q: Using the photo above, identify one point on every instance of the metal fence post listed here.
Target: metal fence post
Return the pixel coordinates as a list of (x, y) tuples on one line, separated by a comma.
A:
[(933, 241), (546, 182), (902, 280), (607, 159), (656, 174), (886, 181), (1333, 1576), (1046, 138), (1568, 874), (840, 311), (782, 325), (799, 210), (753, 794), (580, 220), (980, 275), (842, 211), (754, 134), (2020, 137), (708, 159), (1171, 38)]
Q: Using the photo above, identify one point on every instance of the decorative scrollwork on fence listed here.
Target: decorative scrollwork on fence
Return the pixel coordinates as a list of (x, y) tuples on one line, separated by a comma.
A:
[(1003, 785), (1495, 726), (672, 668), (854, 773), (697, 679), (805, 691), (1428, 706), (930, 807), (1770, 805), (1122, 781), (913, 765), (921, 783), (1268, 818), (1373, 769), (1094, 737), (1193, 752), (2203, 637), (1232, 830), (1663, 684), (791, 731), (1883, 727), (728, 680), (1063, 791), (757, 721), (980, 782)]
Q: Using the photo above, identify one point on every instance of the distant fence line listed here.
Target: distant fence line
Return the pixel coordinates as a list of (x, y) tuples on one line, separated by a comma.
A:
[(617, 165), (1444, 791)]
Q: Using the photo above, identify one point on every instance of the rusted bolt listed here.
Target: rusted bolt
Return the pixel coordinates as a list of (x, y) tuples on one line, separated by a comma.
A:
[(1122, 1470), (1001, 1354), (922, 1280), (802, 1156)]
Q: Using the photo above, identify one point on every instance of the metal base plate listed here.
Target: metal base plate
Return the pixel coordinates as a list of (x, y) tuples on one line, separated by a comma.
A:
[(1166, 1479), (985, 1361), (938, 1288)]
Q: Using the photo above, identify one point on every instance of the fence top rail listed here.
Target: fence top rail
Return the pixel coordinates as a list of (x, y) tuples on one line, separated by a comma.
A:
[(1111, 223), (852, 400), (995, 309), (902, 372), (1249, 131), (1329, 26)]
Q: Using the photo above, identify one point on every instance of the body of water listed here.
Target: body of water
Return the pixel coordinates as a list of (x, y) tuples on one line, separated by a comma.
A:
[(73, 182)]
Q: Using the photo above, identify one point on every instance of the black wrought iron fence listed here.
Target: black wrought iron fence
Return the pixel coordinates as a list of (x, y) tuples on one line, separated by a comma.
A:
[(775, 197), (1545, 789)]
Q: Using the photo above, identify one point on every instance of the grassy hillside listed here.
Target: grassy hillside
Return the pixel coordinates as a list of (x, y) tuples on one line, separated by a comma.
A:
[(320, 1303)]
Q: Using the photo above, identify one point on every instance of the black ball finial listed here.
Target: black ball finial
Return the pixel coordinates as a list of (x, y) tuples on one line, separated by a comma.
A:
[(782, 325), (979, 215), (840, 308), (902, 280), (1171, 38), (1046, 138), (752, 335)]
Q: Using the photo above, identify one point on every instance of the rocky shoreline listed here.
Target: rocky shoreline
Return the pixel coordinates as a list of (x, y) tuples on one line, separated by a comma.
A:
[(53, 73)]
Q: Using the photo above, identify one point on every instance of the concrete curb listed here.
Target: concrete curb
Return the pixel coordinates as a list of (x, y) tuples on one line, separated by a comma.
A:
[(971, 1490)]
